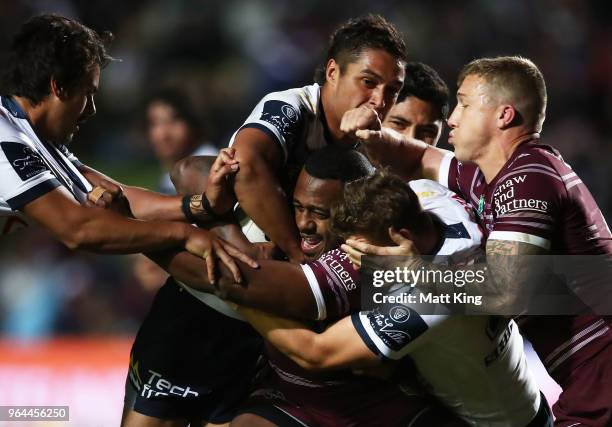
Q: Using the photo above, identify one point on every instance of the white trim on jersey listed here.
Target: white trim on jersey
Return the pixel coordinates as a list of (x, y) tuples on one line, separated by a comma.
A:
[(444, 169), (303, 103), (380, 345), (213, 302), (451, 210), (515, 236), (16, 129), (316, 291), (574, 344)]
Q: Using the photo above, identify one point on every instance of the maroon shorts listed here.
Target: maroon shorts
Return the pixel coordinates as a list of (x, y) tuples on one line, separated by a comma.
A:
[(372, 405), (586, 399)]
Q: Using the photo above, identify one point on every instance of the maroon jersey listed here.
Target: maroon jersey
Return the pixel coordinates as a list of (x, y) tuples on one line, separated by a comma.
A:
[(335, 284), (537, 198), (332, 395)]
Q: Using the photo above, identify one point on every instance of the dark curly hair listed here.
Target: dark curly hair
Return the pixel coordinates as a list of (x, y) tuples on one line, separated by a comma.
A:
[(357, 35), (339, 163), (373, 204), (423, 82), (49, 46)]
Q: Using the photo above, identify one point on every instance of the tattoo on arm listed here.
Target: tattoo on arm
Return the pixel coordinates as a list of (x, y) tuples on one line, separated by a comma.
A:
[(510, 272)]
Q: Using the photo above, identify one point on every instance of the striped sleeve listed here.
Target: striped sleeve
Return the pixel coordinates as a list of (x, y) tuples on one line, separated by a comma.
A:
[(390, 330), (334, 284)]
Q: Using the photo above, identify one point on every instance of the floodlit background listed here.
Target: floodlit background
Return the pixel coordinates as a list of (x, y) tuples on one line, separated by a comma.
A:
[(67, 320)]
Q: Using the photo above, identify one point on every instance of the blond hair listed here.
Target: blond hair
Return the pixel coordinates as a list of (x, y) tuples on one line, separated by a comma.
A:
[(515, 80)]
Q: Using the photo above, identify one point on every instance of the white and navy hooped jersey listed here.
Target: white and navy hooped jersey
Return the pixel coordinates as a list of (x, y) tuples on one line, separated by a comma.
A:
[(30, 167), (293, 118), (463, 236), (474, 364)]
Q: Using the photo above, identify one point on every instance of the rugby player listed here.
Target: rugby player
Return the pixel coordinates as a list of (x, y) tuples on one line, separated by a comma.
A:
[(328, 288), (474, 364), (531, 202), (363, 68), (54, 74), (183, 369), (422, 105)]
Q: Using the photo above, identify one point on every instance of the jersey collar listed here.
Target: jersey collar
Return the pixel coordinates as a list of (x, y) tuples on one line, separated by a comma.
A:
[(13, 107)]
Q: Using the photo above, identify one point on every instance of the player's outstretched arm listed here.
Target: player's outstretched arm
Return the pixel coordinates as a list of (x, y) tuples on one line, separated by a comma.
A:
[(340, 346), (149, 205), (144, 204), (259, 192), (408, 158), (276, 286), (105, 231)]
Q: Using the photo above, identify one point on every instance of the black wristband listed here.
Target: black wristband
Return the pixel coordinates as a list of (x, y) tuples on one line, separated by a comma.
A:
[(187, 209), (225, 216)]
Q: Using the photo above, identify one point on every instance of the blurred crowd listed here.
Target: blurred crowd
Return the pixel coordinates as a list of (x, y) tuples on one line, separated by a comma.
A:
[(223, 56)]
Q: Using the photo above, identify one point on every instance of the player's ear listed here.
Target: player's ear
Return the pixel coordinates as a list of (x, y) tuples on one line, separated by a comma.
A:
[(332, 72), (506, 116), (404, 232), (57, 90)]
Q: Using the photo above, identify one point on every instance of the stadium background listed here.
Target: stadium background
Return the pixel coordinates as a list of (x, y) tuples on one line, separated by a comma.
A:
[(66, 320)]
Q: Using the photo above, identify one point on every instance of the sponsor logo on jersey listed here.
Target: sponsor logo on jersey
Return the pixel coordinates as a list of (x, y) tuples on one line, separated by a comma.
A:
[(282, 116), (290, 113), (157, 386), (399, 314), (25, 162), (504, 201)]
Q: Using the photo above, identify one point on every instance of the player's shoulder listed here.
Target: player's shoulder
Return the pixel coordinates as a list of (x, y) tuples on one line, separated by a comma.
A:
[(9, 128), (437, 198), (426, 188), (301, 99), (538, 158)]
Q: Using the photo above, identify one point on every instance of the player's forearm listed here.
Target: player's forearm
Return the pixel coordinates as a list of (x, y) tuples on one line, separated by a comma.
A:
[(402, 158), (276, 287), (104, 231), (184, 267), (292, 338), (233, 234), (409, 158), (144, 204), (149, 205), (262, 198)]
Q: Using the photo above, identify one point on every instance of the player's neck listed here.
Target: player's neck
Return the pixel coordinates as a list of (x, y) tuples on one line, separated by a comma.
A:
[(500, 151), (331, 120), (36, 114)]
